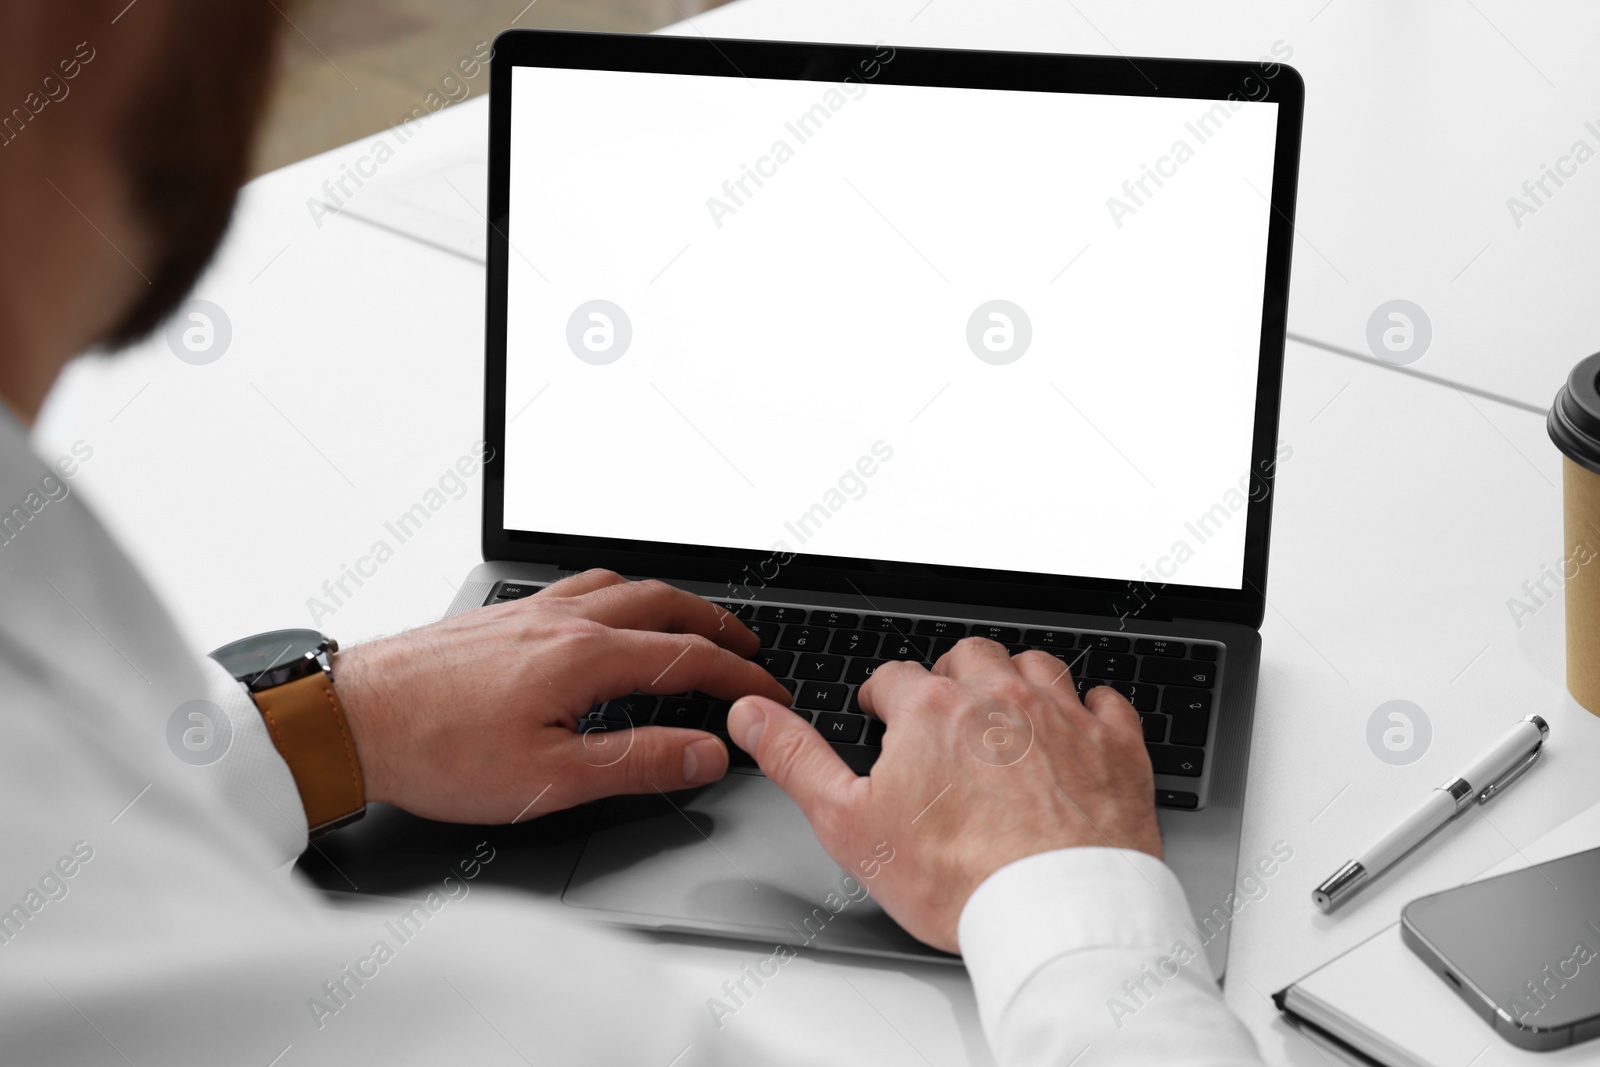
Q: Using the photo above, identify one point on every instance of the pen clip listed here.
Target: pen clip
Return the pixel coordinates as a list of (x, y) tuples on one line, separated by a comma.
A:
[(1495, 787)]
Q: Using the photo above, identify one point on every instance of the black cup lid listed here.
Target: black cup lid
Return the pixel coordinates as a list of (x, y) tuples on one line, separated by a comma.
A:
[(1574, 421)]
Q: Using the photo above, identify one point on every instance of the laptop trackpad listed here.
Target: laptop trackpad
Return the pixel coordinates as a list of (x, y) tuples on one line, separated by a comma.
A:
[(735, 859)]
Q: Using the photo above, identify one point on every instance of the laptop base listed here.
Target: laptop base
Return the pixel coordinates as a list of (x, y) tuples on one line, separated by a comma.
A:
[(737, 859)]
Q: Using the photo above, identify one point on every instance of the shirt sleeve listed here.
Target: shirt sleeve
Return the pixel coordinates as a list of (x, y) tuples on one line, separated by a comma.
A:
[(1084, 955), (255, 779)]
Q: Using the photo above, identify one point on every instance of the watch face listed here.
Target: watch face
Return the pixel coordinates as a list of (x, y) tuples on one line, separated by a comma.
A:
[(250, 657)]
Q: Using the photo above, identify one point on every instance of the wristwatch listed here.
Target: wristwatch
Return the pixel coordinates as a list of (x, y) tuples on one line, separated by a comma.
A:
[(290, 677)]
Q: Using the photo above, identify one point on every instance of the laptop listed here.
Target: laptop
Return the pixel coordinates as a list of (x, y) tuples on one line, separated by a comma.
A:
[(880, 348)]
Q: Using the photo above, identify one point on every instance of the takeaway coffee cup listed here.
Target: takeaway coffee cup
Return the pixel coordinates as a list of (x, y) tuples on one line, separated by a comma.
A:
[(1574, 426)]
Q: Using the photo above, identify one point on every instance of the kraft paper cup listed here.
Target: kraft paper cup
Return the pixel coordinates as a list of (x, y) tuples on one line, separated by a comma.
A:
[(1574, 426)]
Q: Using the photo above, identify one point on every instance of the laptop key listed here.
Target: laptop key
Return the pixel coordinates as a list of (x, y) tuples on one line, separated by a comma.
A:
[(839, 620), (635, 709), (717, 717), (777, 662), (941, 645), (1051, 638), (1157, 646), (905, 648), (855, 702), (1178, 672), (893, 624), (1111, 665), (1142, 695), (804, 638), (1155, 727), (861, 669), (739, 609), (858, 758), (1083, 685), (515, 590), (1104, 642), (682, 711), (1170, 759), (737, 757), (1176, 699), (1205, 652), (823, 667), (853, 643), (774, 613), (1006, 635), (1176, 798), (941, 628), (1074, 658), (1190, 728), (767, 631), (875, 731), (843, 729), (821, 696)]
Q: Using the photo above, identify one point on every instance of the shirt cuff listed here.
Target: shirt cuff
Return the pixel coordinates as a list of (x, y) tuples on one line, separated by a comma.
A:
[(255, 778), (1054, 904)]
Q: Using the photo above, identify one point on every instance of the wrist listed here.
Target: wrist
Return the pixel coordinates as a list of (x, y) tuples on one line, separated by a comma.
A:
[(366, 705)]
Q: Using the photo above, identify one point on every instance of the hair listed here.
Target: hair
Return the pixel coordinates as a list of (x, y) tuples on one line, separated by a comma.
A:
[(185, 140)]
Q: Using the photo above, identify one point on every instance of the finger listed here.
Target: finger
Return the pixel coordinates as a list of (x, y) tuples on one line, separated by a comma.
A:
[(643, 760), (892, 688), (583, 582), (796, 757), (1044, 670), (975, 656), (626, 660), (1113, 709), (655, 605)]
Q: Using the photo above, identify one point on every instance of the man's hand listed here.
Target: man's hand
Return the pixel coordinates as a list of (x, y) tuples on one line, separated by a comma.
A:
[(473, 719), (989, 759)]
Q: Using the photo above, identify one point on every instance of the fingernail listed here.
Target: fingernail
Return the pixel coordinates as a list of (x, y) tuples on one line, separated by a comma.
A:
[(703, 761), (746, 720)]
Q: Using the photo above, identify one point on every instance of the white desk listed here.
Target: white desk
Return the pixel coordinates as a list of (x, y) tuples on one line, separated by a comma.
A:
[(1406, 517)]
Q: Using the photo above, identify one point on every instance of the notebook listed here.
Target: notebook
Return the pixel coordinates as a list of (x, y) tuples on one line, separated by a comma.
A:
[(1379, 1004)]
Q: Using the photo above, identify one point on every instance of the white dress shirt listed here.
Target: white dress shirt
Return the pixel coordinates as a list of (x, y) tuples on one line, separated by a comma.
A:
[(148, 913)]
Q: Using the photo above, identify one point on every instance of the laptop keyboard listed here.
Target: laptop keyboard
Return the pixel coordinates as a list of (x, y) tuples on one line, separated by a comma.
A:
[(823, 656)]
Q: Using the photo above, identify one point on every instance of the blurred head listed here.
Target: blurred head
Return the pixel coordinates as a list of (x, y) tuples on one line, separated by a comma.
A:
[(125, 133)]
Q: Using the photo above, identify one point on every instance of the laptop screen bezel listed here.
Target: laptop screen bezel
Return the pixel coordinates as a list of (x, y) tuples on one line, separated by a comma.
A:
[(746, 570)]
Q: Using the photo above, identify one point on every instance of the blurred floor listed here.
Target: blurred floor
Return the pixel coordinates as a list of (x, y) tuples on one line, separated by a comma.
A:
[(353, 67)]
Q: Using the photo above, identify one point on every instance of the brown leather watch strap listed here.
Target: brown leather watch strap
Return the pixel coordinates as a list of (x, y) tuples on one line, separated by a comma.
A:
[(308, 727)]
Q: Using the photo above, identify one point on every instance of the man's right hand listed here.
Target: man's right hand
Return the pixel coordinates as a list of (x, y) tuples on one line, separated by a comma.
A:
[(987, 760)]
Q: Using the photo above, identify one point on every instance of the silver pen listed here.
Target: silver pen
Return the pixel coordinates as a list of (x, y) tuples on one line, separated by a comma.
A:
[(1487, 775)]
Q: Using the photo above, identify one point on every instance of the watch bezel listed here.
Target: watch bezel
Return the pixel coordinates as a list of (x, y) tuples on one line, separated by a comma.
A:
[(300, 666)]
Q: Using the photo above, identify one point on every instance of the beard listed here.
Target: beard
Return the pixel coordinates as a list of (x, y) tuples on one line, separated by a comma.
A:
[(184, 145)]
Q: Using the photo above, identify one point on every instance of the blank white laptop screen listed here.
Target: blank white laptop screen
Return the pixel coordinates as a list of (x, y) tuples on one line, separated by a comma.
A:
[(983, 328)]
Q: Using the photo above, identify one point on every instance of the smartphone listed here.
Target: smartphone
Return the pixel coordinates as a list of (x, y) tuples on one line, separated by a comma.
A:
[(1522, 949)]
